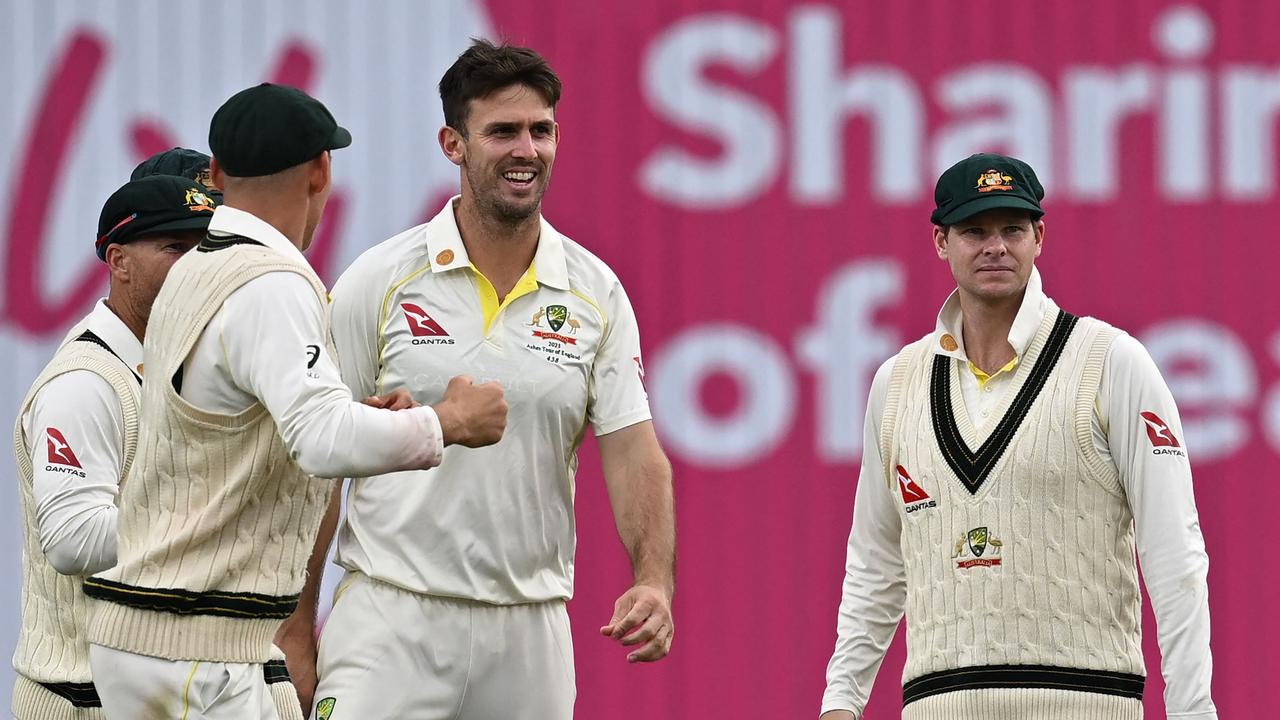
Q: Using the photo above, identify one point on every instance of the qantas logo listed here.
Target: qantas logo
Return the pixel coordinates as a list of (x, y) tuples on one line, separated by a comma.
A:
[(913, 496), (425, 330), (60, 450), (1163, 441)]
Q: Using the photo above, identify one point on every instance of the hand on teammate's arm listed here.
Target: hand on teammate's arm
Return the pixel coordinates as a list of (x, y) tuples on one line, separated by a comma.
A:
[(638, 477), (838, 715), (398, 399), (297, 635), (472, 415)]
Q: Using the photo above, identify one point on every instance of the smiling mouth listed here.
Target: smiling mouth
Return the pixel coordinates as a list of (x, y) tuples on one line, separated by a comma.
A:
[(520, 178)]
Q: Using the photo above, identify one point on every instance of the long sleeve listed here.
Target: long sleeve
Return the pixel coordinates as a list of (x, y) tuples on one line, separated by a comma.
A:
[(875, 585), (75, 426), (272, 336), (1145, 439)]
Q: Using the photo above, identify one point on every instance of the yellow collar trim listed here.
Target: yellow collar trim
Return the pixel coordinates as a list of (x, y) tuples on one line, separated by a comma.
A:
[(984, 378)]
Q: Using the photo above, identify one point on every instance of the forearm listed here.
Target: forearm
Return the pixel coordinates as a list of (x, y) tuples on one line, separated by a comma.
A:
[(304, 617), (638, 477), (646, 524)]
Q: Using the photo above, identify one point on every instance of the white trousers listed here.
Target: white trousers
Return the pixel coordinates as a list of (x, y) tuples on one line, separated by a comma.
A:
[(140, 687), (390, 653)]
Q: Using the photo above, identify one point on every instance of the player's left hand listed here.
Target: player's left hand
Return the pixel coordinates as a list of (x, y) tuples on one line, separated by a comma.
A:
[(642, 616), (299, 648), (398, 399)]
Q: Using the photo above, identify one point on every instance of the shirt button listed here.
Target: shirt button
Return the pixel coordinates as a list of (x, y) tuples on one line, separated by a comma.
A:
[(985, 413), (987, 389)]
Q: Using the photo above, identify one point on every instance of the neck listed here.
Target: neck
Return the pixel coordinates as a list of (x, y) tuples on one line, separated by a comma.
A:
[(501, 251), (986, 326), (287, 215), (133, 317)]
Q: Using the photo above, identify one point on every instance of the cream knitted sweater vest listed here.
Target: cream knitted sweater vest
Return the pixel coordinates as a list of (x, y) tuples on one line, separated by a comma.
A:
[(217, 521), (52, 658), (1022, 588)]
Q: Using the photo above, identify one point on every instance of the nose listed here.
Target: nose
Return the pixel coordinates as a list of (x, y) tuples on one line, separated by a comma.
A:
[(523, 147), (994, 245)]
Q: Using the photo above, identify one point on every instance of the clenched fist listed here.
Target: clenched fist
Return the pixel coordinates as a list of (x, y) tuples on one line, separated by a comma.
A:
[(472, 415)]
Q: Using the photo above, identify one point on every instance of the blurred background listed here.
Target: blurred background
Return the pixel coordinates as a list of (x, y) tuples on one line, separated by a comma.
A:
[(759, 173)]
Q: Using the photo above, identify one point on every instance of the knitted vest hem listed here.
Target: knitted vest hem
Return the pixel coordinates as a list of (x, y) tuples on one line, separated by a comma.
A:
[(1023, 704), (31, 701), (181, 637)]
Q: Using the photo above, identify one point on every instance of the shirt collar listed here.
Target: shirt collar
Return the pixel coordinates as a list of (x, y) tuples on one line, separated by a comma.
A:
[(447, 251), (949, 337), (227, 220), (107, 325)]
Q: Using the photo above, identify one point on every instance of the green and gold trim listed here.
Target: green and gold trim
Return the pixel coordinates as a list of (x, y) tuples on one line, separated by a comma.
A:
[(187, 602)]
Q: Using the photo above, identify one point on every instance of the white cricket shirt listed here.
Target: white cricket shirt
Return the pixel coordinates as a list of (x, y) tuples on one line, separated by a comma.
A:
[(1156, 480), (493, 524), (78, 415), (267, 344)]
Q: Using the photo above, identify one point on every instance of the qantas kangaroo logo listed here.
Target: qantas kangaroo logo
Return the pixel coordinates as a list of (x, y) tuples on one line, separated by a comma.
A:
[(60, 450), (1162, 438), (420, 323), (426, 331), (913, 496)]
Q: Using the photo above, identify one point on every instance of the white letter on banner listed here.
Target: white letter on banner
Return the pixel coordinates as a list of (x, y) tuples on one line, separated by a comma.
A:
[(822, 100), (744, 126), (1022, 128), (765, 384), (1250, 103), (1221, 380), (845, 347), (1184, 33), (1097, 101)]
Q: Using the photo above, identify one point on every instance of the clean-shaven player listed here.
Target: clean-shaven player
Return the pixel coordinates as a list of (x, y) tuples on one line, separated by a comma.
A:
[(453, 605), (1014, 458)]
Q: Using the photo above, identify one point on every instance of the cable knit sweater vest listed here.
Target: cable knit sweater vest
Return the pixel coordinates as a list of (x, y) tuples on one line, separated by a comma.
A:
[(217, 520), (1022, 585), (52, 658)]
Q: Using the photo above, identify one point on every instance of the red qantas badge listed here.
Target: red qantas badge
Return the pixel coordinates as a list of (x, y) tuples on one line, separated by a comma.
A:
[(420, 323), (59, 450), (1158, 431), (913, 496), (911, 492)]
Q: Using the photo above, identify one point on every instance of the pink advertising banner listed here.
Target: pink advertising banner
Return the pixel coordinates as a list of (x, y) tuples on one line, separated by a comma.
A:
[(759, 174)]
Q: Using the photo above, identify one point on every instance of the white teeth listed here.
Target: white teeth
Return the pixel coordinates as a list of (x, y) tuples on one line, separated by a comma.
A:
[(520, 176)]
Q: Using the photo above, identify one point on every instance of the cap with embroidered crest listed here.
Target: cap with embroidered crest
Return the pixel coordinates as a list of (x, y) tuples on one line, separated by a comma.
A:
[(152, 205), (986, 181)]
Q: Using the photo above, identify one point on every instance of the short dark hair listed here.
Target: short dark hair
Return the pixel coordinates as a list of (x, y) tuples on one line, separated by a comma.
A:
[(486, 68)]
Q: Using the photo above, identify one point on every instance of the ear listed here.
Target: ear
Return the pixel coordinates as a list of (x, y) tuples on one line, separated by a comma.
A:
[(453, 144), (320, 173), (118, 262), (1038, 227), (940, 241), (216, 173)]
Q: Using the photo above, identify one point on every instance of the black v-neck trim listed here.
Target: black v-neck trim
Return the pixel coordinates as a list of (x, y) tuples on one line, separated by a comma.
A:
[(973, 467), (90, 336), (212, 243)]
